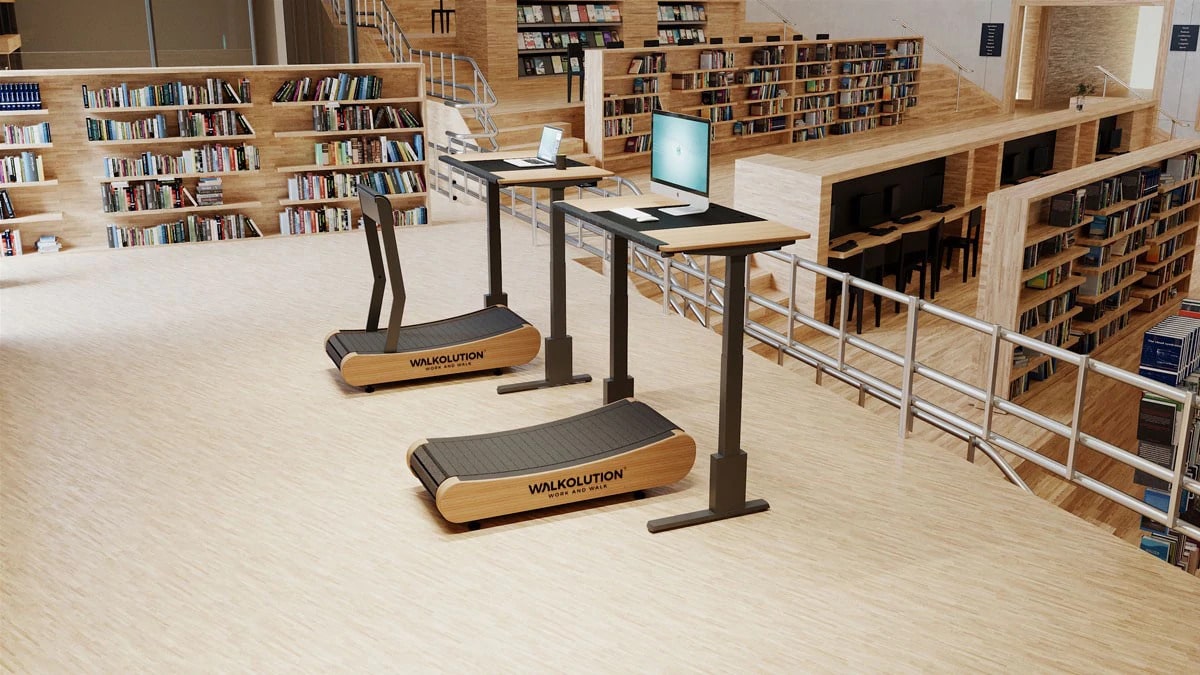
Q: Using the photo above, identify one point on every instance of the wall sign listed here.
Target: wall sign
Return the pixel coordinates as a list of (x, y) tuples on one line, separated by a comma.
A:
[(991, 39), (1183, 37)]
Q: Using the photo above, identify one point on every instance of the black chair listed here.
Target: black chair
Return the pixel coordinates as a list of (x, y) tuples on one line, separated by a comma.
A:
[(873, 266), (933, 258), (833, 288), (968, 244), (574, 69), (440, 18), (907, 256)]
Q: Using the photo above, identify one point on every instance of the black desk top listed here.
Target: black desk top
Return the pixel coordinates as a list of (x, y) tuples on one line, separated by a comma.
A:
[(490, 166), (719, 230)]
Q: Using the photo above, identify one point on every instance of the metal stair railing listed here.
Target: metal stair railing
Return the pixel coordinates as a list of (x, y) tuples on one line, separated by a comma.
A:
[(946, 55), (1109, 75), (454, 78)]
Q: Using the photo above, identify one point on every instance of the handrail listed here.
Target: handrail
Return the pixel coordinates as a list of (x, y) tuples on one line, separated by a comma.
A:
[(779, 15), (441, 68), (669, 274), (957, 64), (1109, 75)]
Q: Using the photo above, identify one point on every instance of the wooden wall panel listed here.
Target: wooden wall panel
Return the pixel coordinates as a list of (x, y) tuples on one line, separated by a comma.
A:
[(1030, 39), (76, 163), (1079, 39)]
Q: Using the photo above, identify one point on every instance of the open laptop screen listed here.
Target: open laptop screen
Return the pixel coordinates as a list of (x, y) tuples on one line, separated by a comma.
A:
[(551, 139)]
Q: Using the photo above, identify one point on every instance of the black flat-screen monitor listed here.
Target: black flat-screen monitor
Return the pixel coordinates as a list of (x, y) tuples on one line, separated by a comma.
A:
[(1013, 167), (931, 190), (894, 202), (1041, 160), (870, 210), (1108, 141)]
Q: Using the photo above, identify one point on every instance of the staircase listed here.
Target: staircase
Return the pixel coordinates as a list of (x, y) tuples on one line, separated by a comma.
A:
[(939, 84)]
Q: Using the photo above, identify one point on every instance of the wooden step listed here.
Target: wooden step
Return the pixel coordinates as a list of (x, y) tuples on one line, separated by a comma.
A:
[(528, 133)]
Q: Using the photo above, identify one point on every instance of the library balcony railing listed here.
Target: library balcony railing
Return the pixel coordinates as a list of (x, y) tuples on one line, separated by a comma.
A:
[(1109, 75), (953, 61), (690, 289), (453, 78)]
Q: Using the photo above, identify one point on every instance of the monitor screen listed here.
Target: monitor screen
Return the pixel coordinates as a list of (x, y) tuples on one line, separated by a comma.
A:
[(679, 151), (1041, 160), (870, 209), (1013, 167), (931, 191), (895, 205)]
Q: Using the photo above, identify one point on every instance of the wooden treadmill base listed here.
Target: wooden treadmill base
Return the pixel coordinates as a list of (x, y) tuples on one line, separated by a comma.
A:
[(622, 447)]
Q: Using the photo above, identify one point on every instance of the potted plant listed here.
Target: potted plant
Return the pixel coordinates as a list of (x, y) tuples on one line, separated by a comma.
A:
[(1083, 90)]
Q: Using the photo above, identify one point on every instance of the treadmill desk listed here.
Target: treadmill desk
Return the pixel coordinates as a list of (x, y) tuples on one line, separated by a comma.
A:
[(721, 231), (490, 167)]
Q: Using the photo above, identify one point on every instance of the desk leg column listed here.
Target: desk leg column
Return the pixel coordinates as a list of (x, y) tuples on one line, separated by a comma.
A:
[(619, 384), (496, 294), (727, 468)]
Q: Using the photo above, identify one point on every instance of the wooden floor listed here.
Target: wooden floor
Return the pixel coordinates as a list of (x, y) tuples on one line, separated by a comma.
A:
[(188, 486)]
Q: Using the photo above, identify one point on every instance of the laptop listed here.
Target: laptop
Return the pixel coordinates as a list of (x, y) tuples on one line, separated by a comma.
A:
[(546, 152)]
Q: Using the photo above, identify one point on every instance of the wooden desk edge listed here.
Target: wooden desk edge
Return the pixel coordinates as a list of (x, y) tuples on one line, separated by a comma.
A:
[(928, 219)]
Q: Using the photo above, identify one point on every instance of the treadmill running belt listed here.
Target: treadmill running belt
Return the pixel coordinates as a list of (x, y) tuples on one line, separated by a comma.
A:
[(611, 430), (485, 323)]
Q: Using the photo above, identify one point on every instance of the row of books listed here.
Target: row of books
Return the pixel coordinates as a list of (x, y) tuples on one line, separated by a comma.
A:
[(618, 127), (1046, 311), (189, 229), (210, 191), (24, 168), (767, 56), (6, 207), (214, 123), (854, 126), (637, 143), (341, 185), (1171, 350), (113, 130), (748, 127), (1051, 277), (711, 59), (719, 114), (306, 220), (674, 36), (809, 134), (1066, 209), (366, 150), (1098, 284), (1031, 255), (644, 85), (1108, 225), (682, 13), (353, 117), (758, 75), (20, 96), (1162, 250), (814, 70), (34, 133), (1097, 311), (214, 91), (1087, 342), (631, 106), (877, 49), (123, 197), (814, 53), (10, 243), (813, 118), (763, 108), (569, 13), (341, 87), (819, 102), (545, 65), (648, 63), (561, 39), (206, 159), (692, 81)]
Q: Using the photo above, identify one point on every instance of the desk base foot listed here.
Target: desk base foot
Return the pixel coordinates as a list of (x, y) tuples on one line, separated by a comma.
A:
[(542, 384), (705, 516), (617, 389), (493, 299)]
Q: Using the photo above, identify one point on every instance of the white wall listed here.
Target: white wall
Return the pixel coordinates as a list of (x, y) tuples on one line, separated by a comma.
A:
[(953, 25), (1181, 81)]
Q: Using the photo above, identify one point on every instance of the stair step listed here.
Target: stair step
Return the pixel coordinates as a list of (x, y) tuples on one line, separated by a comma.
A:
[(528, 133)]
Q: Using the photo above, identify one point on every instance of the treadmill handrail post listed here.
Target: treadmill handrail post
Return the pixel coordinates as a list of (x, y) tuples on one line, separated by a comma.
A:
[(378, 210), (372, 233)]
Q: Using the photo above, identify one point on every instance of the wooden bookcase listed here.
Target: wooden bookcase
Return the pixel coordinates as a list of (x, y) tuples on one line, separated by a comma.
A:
[(973, 161), (757, 94), (545, 29), (69, 204), (1061, 256), (682, 20)]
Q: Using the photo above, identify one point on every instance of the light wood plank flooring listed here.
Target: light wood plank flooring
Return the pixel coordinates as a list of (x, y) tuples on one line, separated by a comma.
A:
[(187, 486)]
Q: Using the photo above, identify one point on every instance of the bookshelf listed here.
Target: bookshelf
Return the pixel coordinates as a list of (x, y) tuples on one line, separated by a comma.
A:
[(1064, 256), (253, 161), (682, 21), (756, 94), (546, 29)]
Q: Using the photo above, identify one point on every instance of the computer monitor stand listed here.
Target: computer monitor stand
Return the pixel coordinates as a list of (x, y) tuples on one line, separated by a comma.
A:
[(693, 203), (687, 210)]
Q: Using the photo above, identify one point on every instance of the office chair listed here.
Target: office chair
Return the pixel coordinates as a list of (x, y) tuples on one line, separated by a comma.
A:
[(968, 243)]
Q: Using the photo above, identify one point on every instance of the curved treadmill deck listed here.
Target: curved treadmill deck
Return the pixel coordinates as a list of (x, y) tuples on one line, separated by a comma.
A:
[(494, 337), (622, 447)]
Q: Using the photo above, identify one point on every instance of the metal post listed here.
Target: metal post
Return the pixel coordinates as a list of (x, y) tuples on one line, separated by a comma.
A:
[(707, 290), (667, 265), (150, 35), (910, 365), (1076, 417), (253, 41), (618, 385), (993, 364), (1181, 449), (844, 310), (352, 30), (958, 89)]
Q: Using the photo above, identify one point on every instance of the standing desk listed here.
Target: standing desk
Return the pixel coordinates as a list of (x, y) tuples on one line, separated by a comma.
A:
[(491, 168), (719, 231)]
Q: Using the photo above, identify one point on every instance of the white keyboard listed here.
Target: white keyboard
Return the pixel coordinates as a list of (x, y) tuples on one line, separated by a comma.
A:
[(634, 214)]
